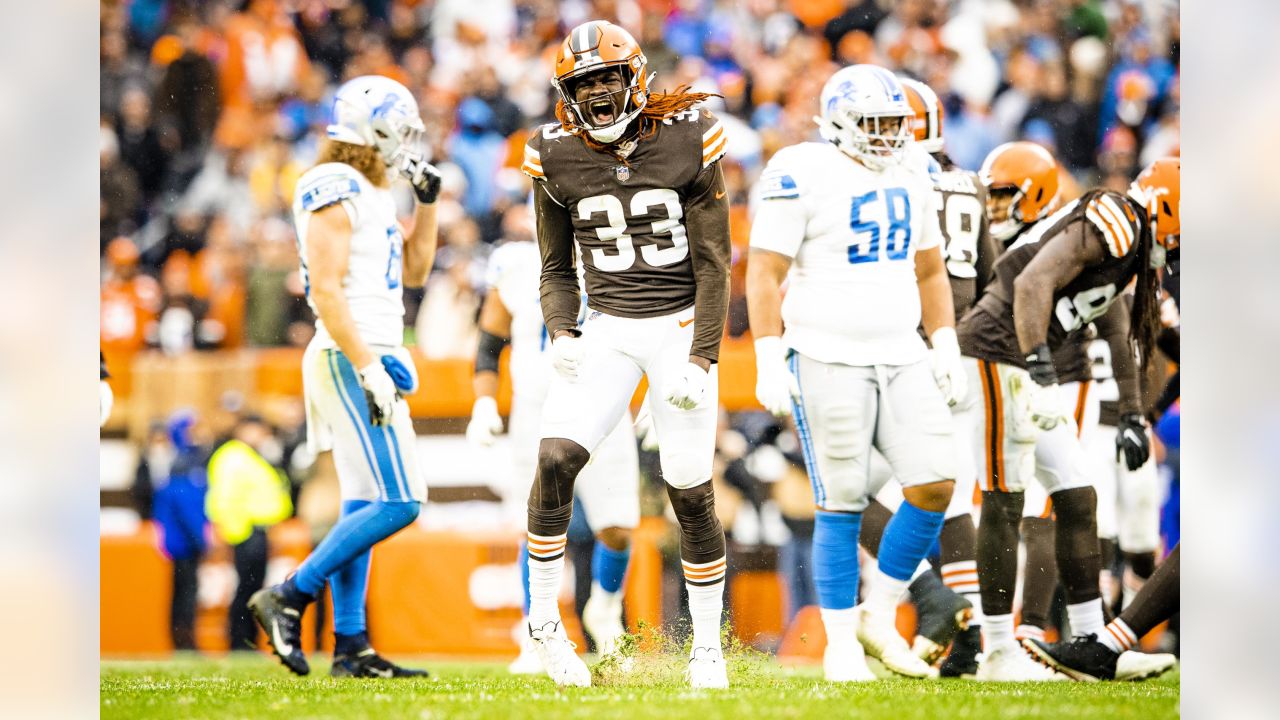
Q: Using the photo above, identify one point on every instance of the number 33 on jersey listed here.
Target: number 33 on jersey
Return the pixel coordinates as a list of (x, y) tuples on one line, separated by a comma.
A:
[(852, 234)]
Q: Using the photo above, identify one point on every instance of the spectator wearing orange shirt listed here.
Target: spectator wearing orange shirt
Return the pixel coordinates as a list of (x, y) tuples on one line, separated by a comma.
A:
[(129, 301)]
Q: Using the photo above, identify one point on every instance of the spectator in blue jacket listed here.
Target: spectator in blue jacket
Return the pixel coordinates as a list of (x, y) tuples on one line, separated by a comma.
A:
[(179, 511)]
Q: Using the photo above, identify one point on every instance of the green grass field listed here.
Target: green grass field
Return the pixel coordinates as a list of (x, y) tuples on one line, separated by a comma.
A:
[(189, 688)]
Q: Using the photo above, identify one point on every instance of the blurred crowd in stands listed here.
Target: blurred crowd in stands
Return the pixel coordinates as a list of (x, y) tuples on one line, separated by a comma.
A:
[(211, 110)]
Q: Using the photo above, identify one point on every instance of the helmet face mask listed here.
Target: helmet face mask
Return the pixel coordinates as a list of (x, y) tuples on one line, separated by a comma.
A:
[(1158, 189), (865, 113)]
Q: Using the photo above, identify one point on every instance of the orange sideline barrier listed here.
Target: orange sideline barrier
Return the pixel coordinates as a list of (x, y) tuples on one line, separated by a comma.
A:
[(421, 591), (152, 385)]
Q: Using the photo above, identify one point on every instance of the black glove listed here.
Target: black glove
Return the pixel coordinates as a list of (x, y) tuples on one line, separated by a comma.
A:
[(1040, 366), (425, 179), (1132, 442)]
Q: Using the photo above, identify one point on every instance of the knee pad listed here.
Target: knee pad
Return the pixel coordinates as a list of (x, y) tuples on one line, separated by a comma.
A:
[(559, 462), (701, 536)]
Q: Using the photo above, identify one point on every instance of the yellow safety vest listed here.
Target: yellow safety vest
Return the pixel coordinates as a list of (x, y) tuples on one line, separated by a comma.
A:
[(244, 491)]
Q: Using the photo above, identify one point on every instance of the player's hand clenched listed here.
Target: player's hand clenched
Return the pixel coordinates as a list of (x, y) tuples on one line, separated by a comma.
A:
[(687, 388), (1132, 443), (566, 355), (425, 179), (380, 391), (485, 423), (948, 370), (776, 386)]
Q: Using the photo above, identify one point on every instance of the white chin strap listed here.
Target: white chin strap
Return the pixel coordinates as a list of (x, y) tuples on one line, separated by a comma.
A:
[(1004, 229), (610, 134)]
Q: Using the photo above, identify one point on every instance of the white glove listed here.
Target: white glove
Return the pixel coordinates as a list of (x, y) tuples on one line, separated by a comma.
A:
[(948, 370), (566, 356), (105, 399), (644, 427), (1045, 406), (380, 391), (687, 388), (776, 386), (486, 423)]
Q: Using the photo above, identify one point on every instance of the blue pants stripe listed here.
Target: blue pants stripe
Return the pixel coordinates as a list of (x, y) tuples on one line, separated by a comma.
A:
[(806, 438), (392, 479), (355, 420)]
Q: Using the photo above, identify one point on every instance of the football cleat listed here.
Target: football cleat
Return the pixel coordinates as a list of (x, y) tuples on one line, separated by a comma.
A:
[(527, 662), (1134, 666), (880, 640), (602, 619), (1011, 664), (962, 661), (846, 662), (707, 669), (558, 657), (1083, 658), (283, 624), (369, 664), (942, 613)]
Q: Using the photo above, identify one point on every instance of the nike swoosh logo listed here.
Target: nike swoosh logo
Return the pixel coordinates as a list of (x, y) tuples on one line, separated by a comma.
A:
[(720, 194), (284, 647), (381, 673), (685, 323)]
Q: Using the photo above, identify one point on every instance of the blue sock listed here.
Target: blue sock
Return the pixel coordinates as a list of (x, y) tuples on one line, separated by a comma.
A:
[(349, 586), (907, 540), (523, 559), (350, 644), (351, 537), (609, 566), (835, 558)]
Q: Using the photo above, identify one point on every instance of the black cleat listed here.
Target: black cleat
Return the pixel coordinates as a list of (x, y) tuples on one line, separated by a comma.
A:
[(942, 613), (962, 661), (369, 664), (1084, 658), (283, 624)]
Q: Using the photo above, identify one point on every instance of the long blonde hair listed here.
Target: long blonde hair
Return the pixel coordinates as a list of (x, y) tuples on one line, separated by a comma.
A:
[(361, 157)]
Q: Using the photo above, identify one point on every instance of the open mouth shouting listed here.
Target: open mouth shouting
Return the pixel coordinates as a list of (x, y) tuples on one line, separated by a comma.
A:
[(602, 111)]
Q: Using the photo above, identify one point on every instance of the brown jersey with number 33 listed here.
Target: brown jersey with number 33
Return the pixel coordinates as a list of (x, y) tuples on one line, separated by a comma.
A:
[(649, 217)]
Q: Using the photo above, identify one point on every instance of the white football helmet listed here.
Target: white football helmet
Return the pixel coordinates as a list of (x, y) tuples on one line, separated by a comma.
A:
[(859, 106), (377, 111)]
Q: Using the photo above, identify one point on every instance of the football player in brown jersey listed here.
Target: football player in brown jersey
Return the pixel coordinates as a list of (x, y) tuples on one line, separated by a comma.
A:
[(1059, 275), (632, 178)]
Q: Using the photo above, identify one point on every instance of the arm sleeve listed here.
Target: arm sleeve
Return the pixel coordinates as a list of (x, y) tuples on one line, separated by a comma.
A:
[(1113, 327), (707, 213), (559, 288)]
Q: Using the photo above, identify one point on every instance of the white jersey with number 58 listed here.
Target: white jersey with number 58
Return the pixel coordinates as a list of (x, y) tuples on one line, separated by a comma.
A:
[(372, 283), (853, 234)]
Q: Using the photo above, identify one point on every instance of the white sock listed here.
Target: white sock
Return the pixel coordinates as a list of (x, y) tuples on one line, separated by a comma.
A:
[(1086, 618), (544, 591), (706, 603), (997, 631), (1118, 636), (884, 594), (976, 600), (921, 569), (841, 625)]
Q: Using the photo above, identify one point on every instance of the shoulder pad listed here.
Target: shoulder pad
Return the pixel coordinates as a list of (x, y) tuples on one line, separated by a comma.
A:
[(1115, 220), (330, 183)]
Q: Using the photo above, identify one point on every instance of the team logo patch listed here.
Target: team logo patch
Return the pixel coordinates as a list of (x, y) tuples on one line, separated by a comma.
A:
[(622, 172)]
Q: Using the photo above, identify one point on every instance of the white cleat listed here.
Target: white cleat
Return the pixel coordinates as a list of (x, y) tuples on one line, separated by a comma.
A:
[(527, 663), (845, 662), (602, 619), (881, 641), (1012, 664), (557, 655), (707, 669), (1135, 666)]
